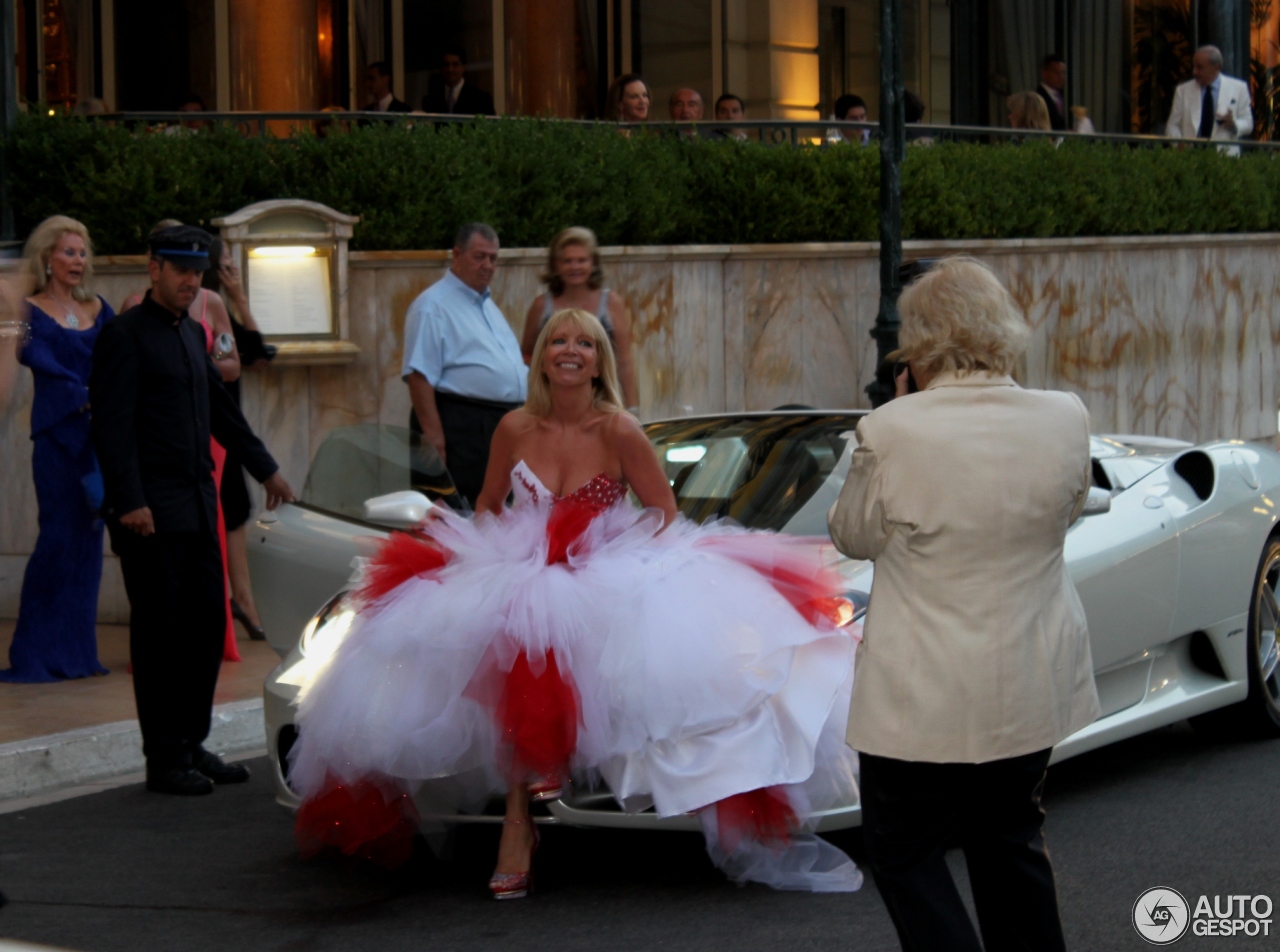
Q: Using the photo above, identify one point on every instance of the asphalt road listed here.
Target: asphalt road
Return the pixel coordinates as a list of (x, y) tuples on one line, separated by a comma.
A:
[(129, 870)]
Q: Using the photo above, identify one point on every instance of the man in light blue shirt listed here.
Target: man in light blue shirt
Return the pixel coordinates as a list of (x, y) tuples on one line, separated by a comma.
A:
[(462, 362)]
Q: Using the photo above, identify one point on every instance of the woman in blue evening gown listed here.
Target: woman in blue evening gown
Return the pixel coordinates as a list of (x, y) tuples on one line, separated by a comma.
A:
[(55, 636)]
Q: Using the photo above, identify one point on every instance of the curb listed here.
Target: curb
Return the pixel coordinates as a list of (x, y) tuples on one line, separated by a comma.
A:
[(41, 765)]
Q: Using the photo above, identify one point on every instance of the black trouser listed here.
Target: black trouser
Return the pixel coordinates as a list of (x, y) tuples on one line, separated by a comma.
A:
[(912, 812), (468, 429), (177, 623)]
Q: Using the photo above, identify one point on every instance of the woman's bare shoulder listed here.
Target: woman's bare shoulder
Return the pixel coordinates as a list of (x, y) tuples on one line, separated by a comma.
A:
[(517, 423), (217, 307), (621, 429)]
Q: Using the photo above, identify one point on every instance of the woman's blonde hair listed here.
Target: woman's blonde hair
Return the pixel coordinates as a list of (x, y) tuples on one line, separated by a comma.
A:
[(958, 317), (39, 250), (572, 236), (607, 393), (1028, 111)]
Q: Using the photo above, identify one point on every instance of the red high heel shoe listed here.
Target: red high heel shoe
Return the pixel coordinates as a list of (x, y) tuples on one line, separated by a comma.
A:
[(515, 885)]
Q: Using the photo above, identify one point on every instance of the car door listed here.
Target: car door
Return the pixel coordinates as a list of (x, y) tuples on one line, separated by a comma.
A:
[(1125, 567), (301, 555)]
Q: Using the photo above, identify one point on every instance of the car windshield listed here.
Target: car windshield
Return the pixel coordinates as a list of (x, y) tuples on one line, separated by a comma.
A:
[(355, 463), (778, 472)]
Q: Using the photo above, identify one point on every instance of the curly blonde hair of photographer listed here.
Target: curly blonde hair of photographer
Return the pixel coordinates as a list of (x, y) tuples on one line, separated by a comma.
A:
[(40, 247), (958, 318), (608, 393), (576, 235)]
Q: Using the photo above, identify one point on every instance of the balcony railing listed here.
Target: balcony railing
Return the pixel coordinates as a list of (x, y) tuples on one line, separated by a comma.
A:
[(767, 131)]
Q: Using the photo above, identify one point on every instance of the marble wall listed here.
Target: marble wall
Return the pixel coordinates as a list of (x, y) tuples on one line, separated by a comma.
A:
[(1168, 336)]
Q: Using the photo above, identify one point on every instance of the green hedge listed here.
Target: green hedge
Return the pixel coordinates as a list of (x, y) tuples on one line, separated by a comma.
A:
[(413, 186)]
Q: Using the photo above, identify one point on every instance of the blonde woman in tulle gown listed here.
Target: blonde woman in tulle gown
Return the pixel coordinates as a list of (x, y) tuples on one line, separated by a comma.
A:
[(574, 638)]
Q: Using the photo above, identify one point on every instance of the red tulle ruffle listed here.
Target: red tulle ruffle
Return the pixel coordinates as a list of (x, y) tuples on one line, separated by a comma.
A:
[(569, 518), (538, 716), (764, 815), (795, 574), (401, 557), (373, 819)]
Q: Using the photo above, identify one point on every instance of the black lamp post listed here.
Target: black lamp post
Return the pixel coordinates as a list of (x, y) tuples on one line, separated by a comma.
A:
[(8, 110), (893, 145)]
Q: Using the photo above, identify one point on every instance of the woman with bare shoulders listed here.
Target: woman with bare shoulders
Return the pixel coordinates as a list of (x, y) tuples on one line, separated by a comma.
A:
[(56, 637), (574, 637), (575, 281), (222, 285)]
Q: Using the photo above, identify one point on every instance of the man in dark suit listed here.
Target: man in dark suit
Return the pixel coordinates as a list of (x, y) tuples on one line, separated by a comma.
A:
[(157, 398), (1052, 89), (377, 84), (451, 93)]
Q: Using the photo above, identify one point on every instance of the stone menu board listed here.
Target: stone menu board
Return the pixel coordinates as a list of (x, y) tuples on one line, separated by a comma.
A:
[(290, 294)]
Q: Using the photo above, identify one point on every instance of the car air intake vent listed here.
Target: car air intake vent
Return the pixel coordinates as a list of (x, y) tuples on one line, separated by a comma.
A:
[(1197, 469), (1204, 657), (285, 740), (1100, 477)]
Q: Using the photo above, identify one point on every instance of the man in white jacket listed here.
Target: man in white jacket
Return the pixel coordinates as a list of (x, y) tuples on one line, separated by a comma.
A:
[(1212, 105)]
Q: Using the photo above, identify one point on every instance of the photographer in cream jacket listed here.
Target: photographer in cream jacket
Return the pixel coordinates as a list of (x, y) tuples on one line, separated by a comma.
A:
[(975, 656)]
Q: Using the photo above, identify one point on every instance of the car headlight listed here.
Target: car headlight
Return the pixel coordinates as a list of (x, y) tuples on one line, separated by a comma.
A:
[(327, 630), (843, 610), (319, 642), (860, 601)]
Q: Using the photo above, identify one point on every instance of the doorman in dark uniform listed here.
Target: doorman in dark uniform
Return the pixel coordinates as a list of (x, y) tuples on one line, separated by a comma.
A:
[(156, 398)]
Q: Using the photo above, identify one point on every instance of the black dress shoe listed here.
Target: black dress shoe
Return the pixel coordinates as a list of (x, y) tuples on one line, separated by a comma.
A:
[(255, 631), (218, 770), (181, 781)]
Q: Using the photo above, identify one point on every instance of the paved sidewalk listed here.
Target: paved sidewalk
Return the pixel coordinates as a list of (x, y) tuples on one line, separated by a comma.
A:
[(54, 737), (33, 710)]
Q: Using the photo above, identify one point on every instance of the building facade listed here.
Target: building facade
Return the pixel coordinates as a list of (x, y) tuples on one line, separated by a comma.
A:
[(786, 58)]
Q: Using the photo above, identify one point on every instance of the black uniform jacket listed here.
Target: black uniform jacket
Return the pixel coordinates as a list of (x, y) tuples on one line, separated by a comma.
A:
[(156, 395)]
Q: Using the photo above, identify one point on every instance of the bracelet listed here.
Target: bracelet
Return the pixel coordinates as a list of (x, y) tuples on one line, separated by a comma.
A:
[(21, 330), (223, 346)]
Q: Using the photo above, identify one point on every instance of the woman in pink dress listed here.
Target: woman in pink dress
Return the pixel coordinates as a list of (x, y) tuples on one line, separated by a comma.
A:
[(221, 344), (574, 638)]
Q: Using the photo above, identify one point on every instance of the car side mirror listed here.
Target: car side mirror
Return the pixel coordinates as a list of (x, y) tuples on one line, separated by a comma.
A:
[(1097, 502), (399, 510)]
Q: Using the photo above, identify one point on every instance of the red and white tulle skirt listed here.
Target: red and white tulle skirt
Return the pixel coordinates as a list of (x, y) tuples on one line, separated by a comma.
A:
[(692, 670)]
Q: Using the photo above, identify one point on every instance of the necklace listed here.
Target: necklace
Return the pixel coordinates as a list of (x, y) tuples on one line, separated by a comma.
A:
[(73, 321)]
